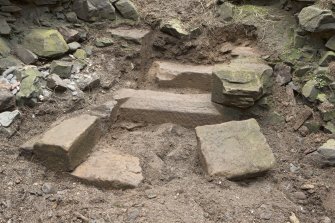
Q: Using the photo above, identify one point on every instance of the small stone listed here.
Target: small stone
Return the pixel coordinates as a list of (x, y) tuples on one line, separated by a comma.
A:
[(80, 54), (327, 151), (299, 195), (88, 82), (307, 187), (55, 82), (329, 128), (282, 73), (327, 58), (71, 17), (127, 9), (174, 28), (310, 91), (61, 68), (226, 11), (103, 42), (4, 27), (48, 188), (303, 115), (326, 220), (293, 168), (7, 100), (303, 130), (293, 218), (74, 46), (7, 118), (4, 48)]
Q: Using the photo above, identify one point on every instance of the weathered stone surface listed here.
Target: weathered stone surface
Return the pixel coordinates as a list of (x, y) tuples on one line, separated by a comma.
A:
[(243, 51), (310, 91), (174, 28), (88, 82), (71, 17), (10, 8), (26, 56), (170, 74), (327, 58), (54, 82), (94, 10), (67, 144), (7, 118), (226, 11), (61, 68), (327, 151), (331, 43), (80, 54), (282, 72), (133, 35), (103, 42), (7, 100), (303, 115), (30, 85), (8, 62), (45, 43), (161, 107), (74, 46), (110, 170), (4, 48), (69, 35), (314, 19), (240, 83), (234, 149), (4, 27), (127, 9)]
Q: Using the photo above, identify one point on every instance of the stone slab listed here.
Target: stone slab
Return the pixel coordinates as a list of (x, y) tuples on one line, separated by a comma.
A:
[(188, 110), (234, 150), (133, 35), (110, 170), (66, 145), (176, 75)]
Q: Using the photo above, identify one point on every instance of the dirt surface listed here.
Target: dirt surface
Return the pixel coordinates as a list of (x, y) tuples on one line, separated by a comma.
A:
[(175, 188)]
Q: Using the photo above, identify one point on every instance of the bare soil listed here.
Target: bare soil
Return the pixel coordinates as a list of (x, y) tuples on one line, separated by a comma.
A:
[(175, 187)]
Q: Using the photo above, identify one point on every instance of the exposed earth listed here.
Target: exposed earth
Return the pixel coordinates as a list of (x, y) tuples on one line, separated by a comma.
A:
[(174, 186)]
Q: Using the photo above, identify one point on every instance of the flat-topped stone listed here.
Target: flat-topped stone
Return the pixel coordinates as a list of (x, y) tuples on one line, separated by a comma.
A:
[(110, 170), (234, 150), (176, 75), (134, 35), (189, 110), (66, 145)]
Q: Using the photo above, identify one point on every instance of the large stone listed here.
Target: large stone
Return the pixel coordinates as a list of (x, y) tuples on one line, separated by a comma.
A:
[(189, 110), (45, 43), (7, 100), (127, 9), (174, 27), (240, 83), (327, 151), (176, 75), (110, 170), (8, 62), (234, 149), (61, 68), (94, 10), (133, 35), (314, 19), (30, 84), (26, 56), (66, 145), (4, 48)]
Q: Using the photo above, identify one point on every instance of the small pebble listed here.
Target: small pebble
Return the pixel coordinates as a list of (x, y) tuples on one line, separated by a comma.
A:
[(48, 188)]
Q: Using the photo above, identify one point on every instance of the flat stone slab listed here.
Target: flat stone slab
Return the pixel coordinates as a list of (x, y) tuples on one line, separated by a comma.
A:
[(176, 75), (66, 145), (234, 150), (188, 110), (133, 35), (110, 170)]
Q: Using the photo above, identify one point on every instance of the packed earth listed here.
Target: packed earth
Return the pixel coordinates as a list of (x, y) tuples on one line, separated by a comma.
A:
[(167, 111)]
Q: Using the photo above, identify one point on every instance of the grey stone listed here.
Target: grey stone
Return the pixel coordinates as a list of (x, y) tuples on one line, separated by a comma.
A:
[(327, 151), (10, 8), (282, 72), (8, 62), (174, 28), (74, 46), (69, 35), (88, 82), (7, 118), (26, 56), (71, 17), (133, 35), (226, 11), (4, 27), (103, 42), (56, 83), (94, 10), (48, 188), (234, 150), (127, 9), (7, 100), (331, 43), (61, 68), (4, 48), (314, 19), (310, 91)]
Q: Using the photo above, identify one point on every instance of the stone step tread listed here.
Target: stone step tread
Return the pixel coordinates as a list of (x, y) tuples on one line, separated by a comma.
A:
[(189, 110), (66, 144), (178, 75), (110, 170)]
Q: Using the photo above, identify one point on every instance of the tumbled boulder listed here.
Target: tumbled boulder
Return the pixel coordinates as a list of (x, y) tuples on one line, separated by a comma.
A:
[(240, 83), (315, 19), (93, 10), (127, 9), (45, 43)]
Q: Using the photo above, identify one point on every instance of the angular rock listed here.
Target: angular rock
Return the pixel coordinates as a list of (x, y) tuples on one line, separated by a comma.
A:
[(26, 56), (66, 145), (71, 17), (8, 62), (7, 118), (45, 43), (80, 54), (310, 91), (327, 58), (4, 27), (234, 150), (174, 28), (305, 114), (61, 68), (327, 151), (88, 82), (127, 9), (331, 43), (56, 83), (4, 48), (10, 8), (110, 170), (69, 35), (133, 35), (189, 110), (282, 72), (30, 86), (94, 10), (327, 110), (103, 42), (240, 83), (175, 75), (226, 11), (314, 19), (7, 100), (74, 46)]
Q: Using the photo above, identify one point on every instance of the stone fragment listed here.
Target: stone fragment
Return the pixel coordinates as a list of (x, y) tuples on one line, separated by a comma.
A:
[(7, 100), (127, 9), (234, 150), (80, 54), (110, 170), (4, 48), (282, 72), (329, 127), (327, 151), (5, 29), (26, 56), (94, 10), (56, 83), (174, 28), (61, 68), (240, 83), (71, 17), (103, 42), (69, 35), (305, 114), (45, 43), (327, 110), (88, 82), (8, 62), (175, 75), (133, 35), (314, 19), (67, 144), (327, 58), (7, 117), (30, 85), (226, 11), (74, 46), (331, 43), (189, 110), (310, 91)]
